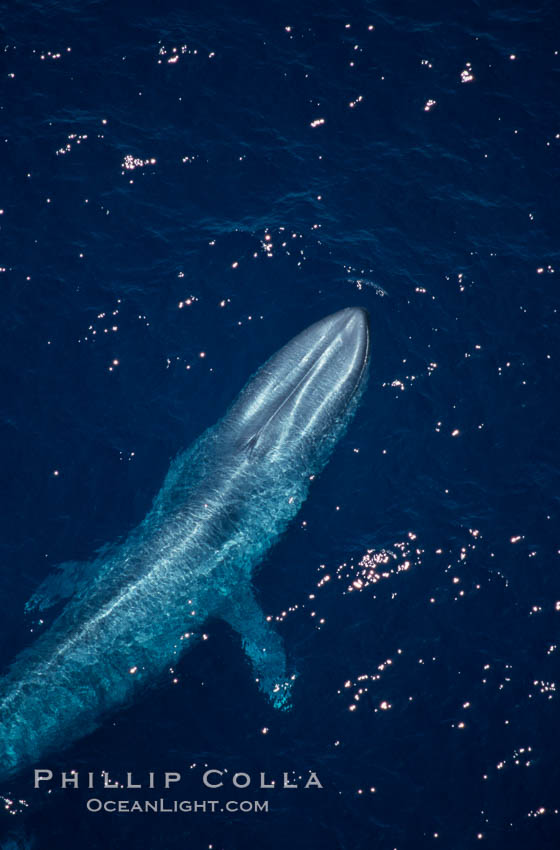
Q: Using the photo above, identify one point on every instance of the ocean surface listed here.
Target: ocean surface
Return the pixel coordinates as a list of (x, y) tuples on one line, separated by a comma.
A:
[(184, 187)]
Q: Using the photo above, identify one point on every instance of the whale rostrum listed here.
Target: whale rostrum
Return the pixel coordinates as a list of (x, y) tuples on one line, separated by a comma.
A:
[(132, 611)]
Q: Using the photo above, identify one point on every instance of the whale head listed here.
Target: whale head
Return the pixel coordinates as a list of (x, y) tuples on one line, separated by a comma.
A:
[(305, 394)]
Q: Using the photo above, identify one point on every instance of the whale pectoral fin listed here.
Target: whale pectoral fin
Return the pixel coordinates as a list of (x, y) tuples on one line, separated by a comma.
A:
[(60, 584), (263, 646)]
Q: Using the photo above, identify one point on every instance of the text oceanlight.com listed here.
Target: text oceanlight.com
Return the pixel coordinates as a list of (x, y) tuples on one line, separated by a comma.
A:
[(162, 806)]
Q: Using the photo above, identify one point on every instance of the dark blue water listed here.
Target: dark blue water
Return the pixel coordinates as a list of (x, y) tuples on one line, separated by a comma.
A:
[(212, 177)]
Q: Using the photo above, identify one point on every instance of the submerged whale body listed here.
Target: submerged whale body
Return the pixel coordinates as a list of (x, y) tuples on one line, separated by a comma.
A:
[(134, 609)]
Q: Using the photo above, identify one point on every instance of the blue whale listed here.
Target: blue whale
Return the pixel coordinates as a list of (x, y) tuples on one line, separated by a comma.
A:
[(133, 610)]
